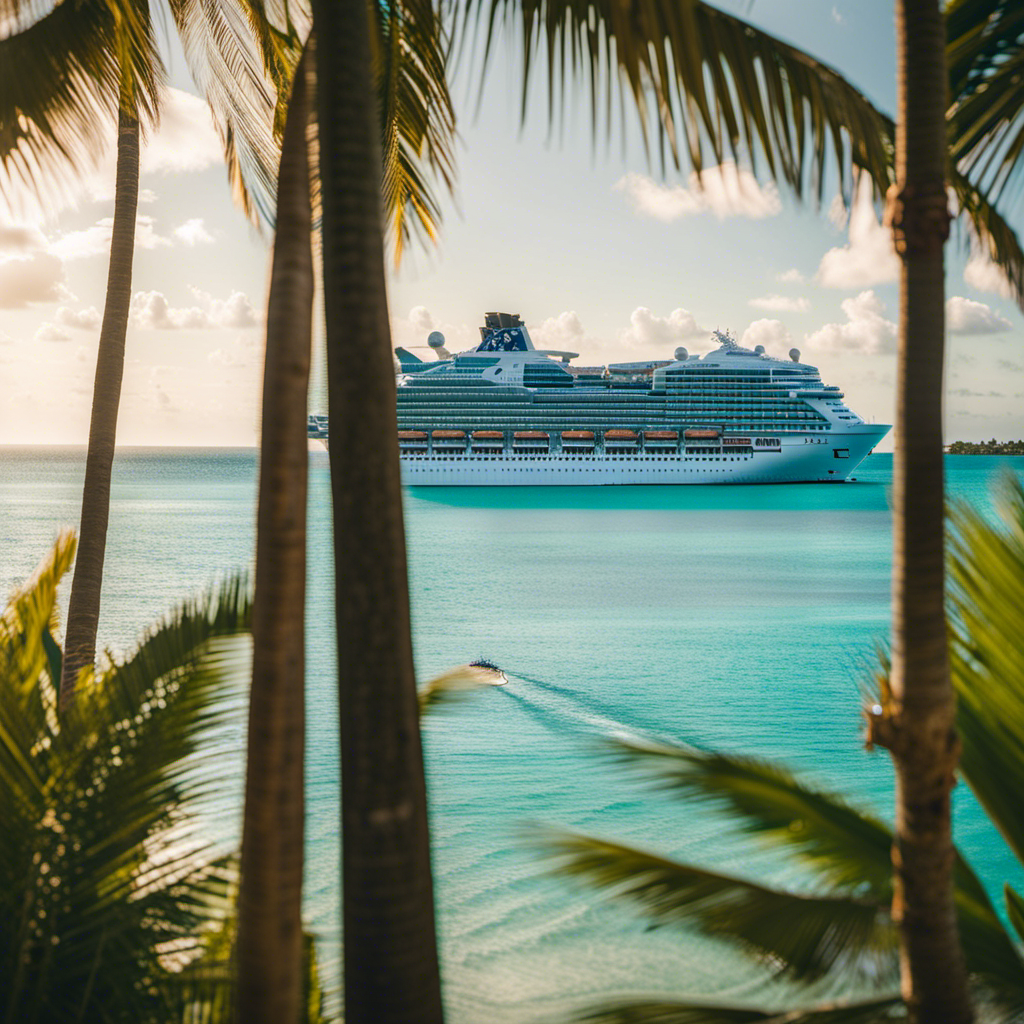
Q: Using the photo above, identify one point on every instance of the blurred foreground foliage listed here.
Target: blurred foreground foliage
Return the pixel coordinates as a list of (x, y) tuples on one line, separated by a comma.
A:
[(835, 933)]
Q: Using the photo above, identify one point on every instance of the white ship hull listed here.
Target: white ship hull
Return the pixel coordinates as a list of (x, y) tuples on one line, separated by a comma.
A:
[(799, 459)]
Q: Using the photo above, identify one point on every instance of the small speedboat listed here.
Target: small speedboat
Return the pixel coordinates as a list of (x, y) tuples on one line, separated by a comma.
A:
[(489, 666)]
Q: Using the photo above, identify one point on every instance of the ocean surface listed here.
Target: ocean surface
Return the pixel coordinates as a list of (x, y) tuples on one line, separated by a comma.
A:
[(739, 617)]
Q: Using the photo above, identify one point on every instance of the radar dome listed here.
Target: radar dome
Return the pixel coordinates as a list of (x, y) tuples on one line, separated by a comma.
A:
[(759, 350), (682, 355), (794, 354), (435, 339)]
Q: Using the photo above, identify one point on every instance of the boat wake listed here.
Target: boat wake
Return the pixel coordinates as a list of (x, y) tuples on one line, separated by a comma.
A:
[(547, 701)]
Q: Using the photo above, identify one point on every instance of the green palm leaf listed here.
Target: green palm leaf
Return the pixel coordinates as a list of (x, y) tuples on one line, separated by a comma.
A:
[(62, 78), (243, 64), (985, 51), (987, 590), (1015, 910), (102, 869), (991, 232), (699, 78), (417, 119), (804, 935), (845, 846), (856, 1011)]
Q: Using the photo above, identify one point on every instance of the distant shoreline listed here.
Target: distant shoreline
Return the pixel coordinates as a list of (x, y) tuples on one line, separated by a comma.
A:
[(992, 447)]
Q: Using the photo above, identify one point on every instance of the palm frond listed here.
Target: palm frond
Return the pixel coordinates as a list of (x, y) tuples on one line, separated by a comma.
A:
[(991, 233), (700, 80), (845, 846), (854, 1011), (987, 592), (62, 79), (986, 562), (803, 935), (102, 870), (417, 118), (985, 53), (203, 991), (1014, 910), (243, 64), (453, 685)]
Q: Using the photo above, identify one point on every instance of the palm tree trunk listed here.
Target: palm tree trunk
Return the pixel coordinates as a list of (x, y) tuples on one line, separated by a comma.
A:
[(390, 959), (920, 722), (84, 609), (270, 941)]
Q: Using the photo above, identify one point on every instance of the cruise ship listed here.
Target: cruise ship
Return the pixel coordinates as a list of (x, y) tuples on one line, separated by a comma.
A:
[(507, 414)]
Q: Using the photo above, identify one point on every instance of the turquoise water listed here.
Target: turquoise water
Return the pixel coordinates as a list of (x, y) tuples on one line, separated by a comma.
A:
[(742, 617)]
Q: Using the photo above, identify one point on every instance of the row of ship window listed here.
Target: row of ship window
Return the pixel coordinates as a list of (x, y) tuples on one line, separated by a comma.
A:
[(579, 458)]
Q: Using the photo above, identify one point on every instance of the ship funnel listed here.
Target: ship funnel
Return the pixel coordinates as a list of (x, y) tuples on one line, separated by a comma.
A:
[(794, 354), (681, 354), (436, 341)]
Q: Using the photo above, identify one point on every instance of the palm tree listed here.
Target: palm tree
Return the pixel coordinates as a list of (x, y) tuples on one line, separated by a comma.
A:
[(698, 77), (416, 123), (840, 927), (270, 938), (82, 60), (917, 723), (105, 879)]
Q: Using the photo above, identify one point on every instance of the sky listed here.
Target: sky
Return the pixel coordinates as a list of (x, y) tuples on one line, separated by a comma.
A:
[(596, 249)]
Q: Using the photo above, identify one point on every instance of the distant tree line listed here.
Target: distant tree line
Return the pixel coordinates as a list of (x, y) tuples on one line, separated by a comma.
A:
[(992, 447)]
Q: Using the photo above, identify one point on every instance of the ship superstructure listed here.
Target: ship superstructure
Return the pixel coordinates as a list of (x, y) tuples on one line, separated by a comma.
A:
[(505, 413)]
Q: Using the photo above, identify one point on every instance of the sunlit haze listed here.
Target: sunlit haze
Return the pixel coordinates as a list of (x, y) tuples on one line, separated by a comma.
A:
[(595, 248)]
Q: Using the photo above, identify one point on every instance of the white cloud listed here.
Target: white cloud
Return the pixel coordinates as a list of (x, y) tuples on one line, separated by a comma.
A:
[(83, 320), (791, 276), (21, 238), (561, 333), (837, 17), (152, 310), (965, 316), (186, 140), (983, 274), (770, 333), (725, 191), (780, 304), (234, 312), (51, 332), (6, 339), (866, 329), (193, 232), (421, 318), (411, 332), (838, 213), (868, 257), (31, 279), (95, 240), (647, 330)]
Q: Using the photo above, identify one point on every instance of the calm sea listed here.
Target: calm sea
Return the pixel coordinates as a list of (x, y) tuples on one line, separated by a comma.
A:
[(742, 617)]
